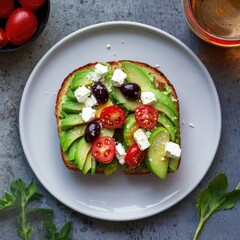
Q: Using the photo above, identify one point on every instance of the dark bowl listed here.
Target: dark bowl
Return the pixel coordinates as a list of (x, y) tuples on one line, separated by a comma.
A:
[(42, 15)]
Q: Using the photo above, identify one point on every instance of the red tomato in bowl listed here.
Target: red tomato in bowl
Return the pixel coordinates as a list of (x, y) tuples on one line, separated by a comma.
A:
[(104, 149), (6, 7), (32, 4), (21, 26), (3, 38), (134, 156)]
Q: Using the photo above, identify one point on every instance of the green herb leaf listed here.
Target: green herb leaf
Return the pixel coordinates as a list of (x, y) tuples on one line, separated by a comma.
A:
[(203, 202), (214, 198), (17, 200), (65, 231), (52, 233)]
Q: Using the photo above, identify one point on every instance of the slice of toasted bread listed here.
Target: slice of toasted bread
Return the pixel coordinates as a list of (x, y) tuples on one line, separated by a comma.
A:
[(161, 83)]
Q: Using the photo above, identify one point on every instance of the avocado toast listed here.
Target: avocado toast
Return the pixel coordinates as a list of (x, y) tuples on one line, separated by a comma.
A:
[(119, 114)]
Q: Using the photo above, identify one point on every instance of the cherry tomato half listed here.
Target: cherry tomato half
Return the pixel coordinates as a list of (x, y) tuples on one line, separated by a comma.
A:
[(3, 38), (32, 4), (6, 7), (112, 117), (146, 116), (104, 149), (21, 25), (134, 156)]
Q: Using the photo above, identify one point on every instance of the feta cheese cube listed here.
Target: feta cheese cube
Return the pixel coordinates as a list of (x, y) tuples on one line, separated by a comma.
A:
[(172, 150), (82, 93), (118, 78), (141, 139), (120, 153), (94, 76), (88, 114), (90, 101), (101, 69), (148, 98)]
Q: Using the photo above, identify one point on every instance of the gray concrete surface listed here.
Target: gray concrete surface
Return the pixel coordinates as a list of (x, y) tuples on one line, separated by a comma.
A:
[(180, 221)]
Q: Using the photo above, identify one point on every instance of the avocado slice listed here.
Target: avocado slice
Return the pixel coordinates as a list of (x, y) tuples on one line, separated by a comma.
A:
[(107, 132), (71, 96), (118, 98), (156, 161), (165, 100), (80, 78), (162, 119), (72, 107), (93, 165), (68, 137), (108, 78), (130, 127), (173, 165), (72, 151), (82, 151), (88, 163), (71, 120), (136, 74), (167, 111)]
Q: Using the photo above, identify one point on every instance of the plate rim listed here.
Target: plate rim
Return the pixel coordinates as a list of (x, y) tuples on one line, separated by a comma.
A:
[(85, 30)]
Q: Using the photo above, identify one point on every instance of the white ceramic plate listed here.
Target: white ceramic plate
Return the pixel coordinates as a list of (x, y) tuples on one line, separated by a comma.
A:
[(120, 197)]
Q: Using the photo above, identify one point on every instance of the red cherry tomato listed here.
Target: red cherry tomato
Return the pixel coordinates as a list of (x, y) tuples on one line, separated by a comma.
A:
[(3, 38), (21, 25), (6, 7), (134, 156), (104, 149), (112, 117), (146, 116), (32, 4)]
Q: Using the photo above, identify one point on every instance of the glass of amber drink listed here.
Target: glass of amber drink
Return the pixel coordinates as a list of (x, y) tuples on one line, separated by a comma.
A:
[(215, 21)]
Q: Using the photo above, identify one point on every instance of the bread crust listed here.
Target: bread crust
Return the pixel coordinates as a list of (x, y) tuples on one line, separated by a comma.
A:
[(160, 80)]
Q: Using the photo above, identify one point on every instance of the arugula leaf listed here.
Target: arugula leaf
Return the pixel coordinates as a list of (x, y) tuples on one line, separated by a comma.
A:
[(52, 233), (16, 200), (215, 198)]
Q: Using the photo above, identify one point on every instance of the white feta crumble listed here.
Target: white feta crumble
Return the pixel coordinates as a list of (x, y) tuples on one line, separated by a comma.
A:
[(120, 153), (148, 98), (108, 46), (191, 125), (172, 150), (141, 139), (148, 133), (88, 114), (90, 101), (101, 69), (118, 77), (183, 122), (122, 42), (82, 93), (157, 66), (94, 76)]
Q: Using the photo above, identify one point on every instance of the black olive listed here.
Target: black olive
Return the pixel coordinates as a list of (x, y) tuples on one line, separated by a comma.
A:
[(92, 131), (100, 92), (132, 91)]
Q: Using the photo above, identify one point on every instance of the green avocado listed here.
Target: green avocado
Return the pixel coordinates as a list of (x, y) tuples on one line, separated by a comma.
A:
[(163, 120), (72, 151), (88, 163), (71, 120), (106, 132), (81, 78), (82, 151), (156, 161), (136, 74), (71, 96), (68, 137), (72, 107), (165, 100), (118, 98), (173, 165), (129, 129)]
